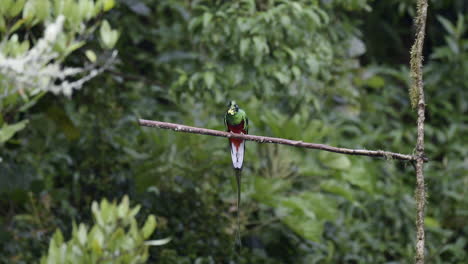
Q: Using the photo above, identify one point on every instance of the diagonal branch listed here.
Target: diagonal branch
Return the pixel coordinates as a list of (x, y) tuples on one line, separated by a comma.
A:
[(418, 95), (289, 142)]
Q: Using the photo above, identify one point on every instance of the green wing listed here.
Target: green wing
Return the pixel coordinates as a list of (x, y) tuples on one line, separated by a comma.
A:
[(225, 122), (246, 124)]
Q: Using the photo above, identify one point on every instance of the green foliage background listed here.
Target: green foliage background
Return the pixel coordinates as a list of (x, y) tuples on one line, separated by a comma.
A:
[(332, 72)]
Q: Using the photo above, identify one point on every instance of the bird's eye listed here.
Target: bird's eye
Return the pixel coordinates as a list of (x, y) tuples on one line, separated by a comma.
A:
[(236, 106)]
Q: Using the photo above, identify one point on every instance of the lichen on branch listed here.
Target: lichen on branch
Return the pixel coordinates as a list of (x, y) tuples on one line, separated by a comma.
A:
[(418, 101), (40, 68)]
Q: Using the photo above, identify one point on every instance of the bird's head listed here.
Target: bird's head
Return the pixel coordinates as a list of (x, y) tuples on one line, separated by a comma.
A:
[(233, 108)]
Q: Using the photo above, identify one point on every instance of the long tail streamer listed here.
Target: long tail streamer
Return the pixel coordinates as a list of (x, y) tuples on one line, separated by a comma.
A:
[(238, 179)]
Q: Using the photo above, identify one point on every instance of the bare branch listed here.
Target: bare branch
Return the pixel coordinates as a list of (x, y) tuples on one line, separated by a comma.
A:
[(418, 94), (289, 142)]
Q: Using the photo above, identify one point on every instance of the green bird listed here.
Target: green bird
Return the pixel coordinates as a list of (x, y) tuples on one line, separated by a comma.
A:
[(236, 121)]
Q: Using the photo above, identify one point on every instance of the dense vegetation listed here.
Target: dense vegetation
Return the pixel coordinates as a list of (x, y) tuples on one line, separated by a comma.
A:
[(332, 72)]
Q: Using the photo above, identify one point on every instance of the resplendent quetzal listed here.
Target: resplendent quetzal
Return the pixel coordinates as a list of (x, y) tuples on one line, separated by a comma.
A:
[(236, 122)]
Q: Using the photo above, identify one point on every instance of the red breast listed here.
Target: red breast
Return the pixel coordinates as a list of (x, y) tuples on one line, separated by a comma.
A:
[(236, 129)]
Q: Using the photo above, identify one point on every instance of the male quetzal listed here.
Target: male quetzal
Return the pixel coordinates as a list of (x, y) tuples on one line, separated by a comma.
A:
[(236, 122)]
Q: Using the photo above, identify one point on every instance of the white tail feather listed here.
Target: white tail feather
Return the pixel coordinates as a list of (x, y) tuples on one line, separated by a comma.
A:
[(237, 155)]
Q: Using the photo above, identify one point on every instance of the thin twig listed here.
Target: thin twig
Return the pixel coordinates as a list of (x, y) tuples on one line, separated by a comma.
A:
[(289, 142), (418, 89)]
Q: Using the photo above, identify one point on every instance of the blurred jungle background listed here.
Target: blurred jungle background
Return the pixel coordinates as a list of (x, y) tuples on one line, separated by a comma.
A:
[(75, 75)]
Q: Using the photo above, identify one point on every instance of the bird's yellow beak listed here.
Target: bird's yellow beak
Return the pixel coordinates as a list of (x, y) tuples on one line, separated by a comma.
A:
[(231, 111)]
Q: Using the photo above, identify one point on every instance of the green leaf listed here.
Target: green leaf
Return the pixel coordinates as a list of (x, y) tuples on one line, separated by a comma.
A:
[(290, 52), (460, 28), (209, 78), (304, 227), (134, 232), (297, 6), (74, 46), (116, 238), (244, 46), (29, 10), (149, 226), (57, 239), (260, 45), (124, 207), (356, 47), (194, 23), (324, 206), (91, 56), (108, 36), (42, 9), (97, 213), (360, 176), (285, 21), (376, 82), (335, 161), (105, 209), (8, 131), (207, 19), (6, 4), (299, 206), (282, 77), (86, 9), (135, 211), (313, 16), (313, 64), (82, 234), (306, 213), (108, 5), (453, 45), (297, 72), (16, 8), (97, 240), (431, 222), (449, 27), (267, 191), (338, 187), (2, 24)]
